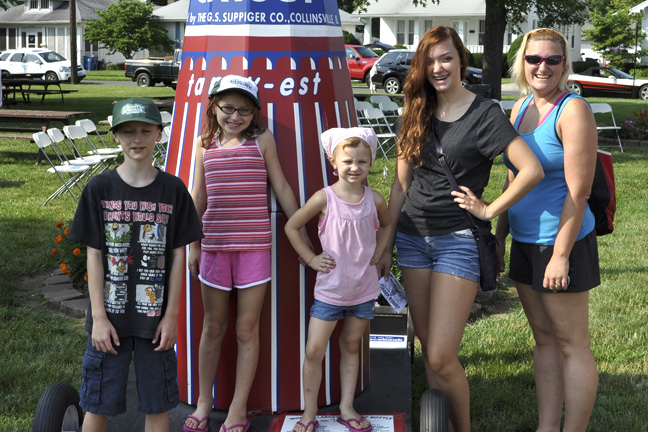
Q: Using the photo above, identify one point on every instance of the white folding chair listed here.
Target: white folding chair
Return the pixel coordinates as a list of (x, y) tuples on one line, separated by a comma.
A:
[(160, 153), (390, 110), (166, 118), (380, 125), (376, 99), (506, 105), (74, 132), (360, 107), (109, 118), (75, 172), (401, 110), (73, 157), (604, 108), (89, 126)]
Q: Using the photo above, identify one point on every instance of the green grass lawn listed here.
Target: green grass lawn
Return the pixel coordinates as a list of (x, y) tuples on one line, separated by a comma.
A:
[(41, 347)]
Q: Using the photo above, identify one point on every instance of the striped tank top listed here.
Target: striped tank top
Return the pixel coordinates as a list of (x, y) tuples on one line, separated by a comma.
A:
[(236, 218)]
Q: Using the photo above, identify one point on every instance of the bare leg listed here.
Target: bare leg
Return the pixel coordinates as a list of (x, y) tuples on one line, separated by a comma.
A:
[(94, 423), (215, 304), (547, 360), (157, 423), (250, 302), (569, 313), (352, 333), (319, 333), (440, 305)]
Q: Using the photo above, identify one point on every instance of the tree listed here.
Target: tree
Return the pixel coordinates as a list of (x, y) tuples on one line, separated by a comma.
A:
[(615, 33), (499, 13), (127, 27)]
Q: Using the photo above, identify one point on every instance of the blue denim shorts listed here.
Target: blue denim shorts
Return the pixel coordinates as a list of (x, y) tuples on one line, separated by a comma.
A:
[(328, 312), (455, 253), (105, 377)]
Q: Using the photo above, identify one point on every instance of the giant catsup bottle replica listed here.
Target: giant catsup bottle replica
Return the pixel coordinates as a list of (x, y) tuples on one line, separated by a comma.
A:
[(294, 51)]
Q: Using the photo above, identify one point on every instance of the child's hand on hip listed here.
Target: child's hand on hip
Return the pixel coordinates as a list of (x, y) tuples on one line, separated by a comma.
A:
[(322, 262)]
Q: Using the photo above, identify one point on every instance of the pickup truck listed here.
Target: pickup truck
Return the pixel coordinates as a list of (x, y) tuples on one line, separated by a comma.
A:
[(148, 72)]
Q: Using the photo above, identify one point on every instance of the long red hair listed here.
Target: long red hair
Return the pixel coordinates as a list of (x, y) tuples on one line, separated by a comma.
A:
[(420, 96)]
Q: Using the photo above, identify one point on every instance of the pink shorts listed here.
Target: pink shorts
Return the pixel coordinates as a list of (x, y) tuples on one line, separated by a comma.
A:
[(225, 270)]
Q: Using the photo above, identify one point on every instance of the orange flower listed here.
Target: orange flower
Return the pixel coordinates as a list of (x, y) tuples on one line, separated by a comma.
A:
[(59, 224), (76, 252), (64, 267), (85, 278), (66, 231), (55, 251), (58, 239), (69, 274)]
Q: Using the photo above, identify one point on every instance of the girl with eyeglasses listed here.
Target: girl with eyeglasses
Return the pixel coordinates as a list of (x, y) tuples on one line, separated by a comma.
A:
[(554, 257), (235, 158)]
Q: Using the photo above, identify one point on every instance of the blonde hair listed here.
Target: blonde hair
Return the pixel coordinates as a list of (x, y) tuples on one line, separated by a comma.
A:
[(541, 34)]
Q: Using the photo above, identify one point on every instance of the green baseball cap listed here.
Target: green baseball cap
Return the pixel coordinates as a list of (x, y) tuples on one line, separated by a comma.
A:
[(136, 109)]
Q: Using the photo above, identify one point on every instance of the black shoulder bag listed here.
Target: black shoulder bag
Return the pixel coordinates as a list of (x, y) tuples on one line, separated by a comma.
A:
[(486, 241)]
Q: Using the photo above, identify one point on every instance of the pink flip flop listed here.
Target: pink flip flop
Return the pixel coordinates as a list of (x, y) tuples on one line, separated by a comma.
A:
[(245, 426), (186, 428), (347, 423), (313, 423)]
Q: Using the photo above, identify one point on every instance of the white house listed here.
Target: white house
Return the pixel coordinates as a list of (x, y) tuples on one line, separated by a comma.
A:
[(401, 22), (642, 8)]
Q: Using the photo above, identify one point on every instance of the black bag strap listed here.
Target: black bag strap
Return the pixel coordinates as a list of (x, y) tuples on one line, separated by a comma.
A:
[(449, 175)]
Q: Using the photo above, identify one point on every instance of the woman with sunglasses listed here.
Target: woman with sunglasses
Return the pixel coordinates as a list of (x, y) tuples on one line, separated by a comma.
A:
[(554, 257), (437, 252), (235, 157)]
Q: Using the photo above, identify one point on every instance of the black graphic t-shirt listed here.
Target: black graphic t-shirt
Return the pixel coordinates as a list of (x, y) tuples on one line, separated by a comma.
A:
[(136, 230)]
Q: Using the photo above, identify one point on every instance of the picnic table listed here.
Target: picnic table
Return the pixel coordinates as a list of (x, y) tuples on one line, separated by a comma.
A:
[(42, 117), (25, 87)]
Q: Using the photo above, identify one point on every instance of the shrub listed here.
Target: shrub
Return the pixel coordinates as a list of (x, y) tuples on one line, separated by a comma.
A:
[(115, 66), (350, 39), (478, 60), (580, 66), (72, 258), (636, 128), (513, 49)]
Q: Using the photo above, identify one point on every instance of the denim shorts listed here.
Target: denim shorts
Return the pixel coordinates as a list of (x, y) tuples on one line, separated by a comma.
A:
[(105, 377), (455, 253), (329, 312)]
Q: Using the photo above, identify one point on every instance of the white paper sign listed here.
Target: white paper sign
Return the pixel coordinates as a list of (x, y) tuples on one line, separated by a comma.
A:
[(393, 292)]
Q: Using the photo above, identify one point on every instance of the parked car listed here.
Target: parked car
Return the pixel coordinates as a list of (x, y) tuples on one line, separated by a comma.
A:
[(391, 70), (150, 71), (381, 45), (607, 81), (360, 60), (37, 63)]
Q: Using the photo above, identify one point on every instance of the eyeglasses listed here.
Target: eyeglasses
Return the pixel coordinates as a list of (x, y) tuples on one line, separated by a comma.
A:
[(231, 110), (552, 60)]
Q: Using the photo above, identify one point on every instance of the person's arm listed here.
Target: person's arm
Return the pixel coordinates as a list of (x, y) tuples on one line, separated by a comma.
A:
[(167, 329), (104, 334), (577, 128), (199, 196), (382, 237), (502, 229), (402, 182), (280, 186), (315, 206), (529, 174)]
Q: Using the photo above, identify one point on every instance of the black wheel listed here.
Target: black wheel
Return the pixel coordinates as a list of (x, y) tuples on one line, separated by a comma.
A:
[(575, 87), (367, 79), (51, 76), (643, 92), (392, 85), (434, 411), (58, 410), (144, 80), (5, 74)]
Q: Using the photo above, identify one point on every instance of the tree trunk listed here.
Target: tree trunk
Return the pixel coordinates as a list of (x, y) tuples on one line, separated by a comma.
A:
[(493, 43), (74, 76)]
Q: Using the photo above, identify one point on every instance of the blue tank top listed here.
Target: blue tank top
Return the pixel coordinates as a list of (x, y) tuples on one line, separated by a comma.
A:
[(536, 217)]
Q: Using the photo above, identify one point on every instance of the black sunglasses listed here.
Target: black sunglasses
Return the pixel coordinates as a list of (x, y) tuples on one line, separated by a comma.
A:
[(231, 110), (552, 60)]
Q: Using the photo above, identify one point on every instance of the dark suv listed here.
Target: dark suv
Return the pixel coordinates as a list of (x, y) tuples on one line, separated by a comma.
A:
[(392, 68)]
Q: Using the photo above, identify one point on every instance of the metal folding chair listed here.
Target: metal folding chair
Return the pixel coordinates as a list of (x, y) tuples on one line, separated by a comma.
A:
[(69, 154), (604, 108), (377, 99), (167, 118), (380, 125), (506, 105), (390, 110), (75, 172), (360, 108), (74, 132), (160, 153), (90, 128)]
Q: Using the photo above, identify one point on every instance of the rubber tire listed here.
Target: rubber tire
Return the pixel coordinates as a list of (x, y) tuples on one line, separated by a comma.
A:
[(392, 85), (643, 92), (58, 410), (575, 87), (51, 76), (367, 79), (144, 80), (434, 411)]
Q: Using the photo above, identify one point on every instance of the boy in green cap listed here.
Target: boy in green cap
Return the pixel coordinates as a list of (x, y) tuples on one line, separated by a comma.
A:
[(136, 221)]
